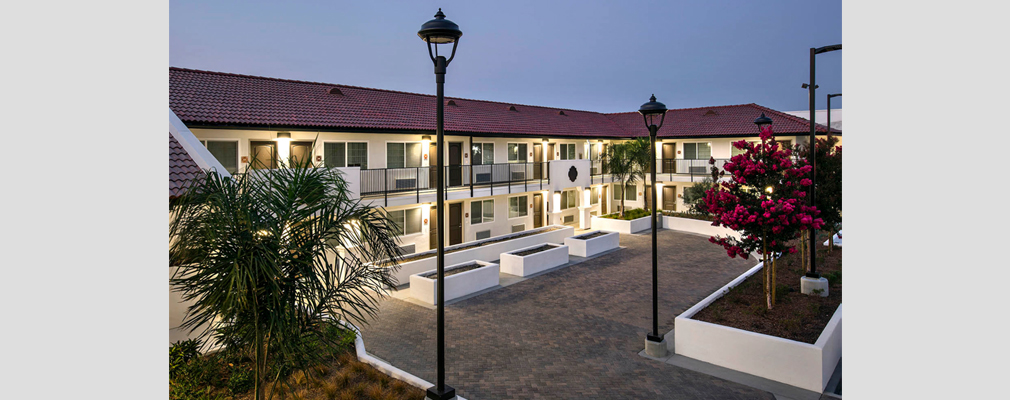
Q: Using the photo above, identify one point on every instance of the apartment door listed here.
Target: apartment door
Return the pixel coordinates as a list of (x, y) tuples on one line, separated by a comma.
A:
[(648, 197), (433, 228), (264, 155), (432, 167), (455, 164), (455, 223), (669, 154), (538, 157), (670, 198), (538, 210), (301, 153), (604, 199)]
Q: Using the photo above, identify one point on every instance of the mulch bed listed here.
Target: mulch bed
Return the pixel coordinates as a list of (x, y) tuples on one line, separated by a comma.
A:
[(453, 271), (590, 235), (486, 242), (795, 316), (534, 250)]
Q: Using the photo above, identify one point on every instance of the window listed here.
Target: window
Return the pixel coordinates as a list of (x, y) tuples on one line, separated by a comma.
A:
[(403, 155), (568, 151), (483, 153), (735, 151), (568, 199), (632, 192), (357, 155), (517, 152), (225, 151), (594, 196), (697, 151), (334, 155), (518, 207), (783, 144), (481, 212), (407, 221)]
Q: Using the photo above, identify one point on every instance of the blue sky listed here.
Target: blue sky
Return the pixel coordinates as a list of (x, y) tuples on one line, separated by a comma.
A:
[(587, 55)]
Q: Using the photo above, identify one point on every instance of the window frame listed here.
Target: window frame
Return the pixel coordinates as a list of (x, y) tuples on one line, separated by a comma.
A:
[(482, 153), (402, 231), (562, 154), (238, 152), (420, 154), (482, 215), (569, 196), (525, 207), (617, 190), (684, 148), (508, 155), (347, 152), (594, 195)]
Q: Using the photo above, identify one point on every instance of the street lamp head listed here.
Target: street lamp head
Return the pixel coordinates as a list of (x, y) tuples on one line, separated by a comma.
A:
[(651, 110), (763, 121), (440, 30)]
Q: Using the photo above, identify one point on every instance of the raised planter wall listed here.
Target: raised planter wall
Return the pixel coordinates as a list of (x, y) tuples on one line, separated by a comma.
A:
[(622, 226), (804, 365), (530, 264), (489, 252), (594, 246), (458, 285), (697, 226)]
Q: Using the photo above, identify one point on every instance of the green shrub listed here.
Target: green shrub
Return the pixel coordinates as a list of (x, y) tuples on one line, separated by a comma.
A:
[(630, 214), (834, 277), (240, 380), (180, 353)]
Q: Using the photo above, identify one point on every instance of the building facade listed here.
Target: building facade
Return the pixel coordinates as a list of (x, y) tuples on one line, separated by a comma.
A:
[(508, 167)]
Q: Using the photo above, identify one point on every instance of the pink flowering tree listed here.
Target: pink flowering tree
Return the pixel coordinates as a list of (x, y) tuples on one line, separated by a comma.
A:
[(764, 200)]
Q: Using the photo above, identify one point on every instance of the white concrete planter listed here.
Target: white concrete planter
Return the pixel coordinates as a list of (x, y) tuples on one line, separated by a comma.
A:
[(589, 247), (530, 264), (804, 365), (697, 226), (458, 285), (622, 226), (488, 252)]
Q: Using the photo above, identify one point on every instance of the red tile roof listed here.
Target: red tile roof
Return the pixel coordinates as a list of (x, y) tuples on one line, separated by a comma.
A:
[(736, 120), (216, 98), (182, 170)]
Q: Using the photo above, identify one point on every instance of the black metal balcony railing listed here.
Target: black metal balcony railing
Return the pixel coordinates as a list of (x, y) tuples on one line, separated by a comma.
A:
[(665, 168), (386, 181)]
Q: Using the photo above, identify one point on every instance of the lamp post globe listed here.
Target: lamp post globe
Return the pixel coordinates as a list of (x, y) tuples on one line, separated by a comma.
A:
[(654, 344), (762, 122), (434, 32)]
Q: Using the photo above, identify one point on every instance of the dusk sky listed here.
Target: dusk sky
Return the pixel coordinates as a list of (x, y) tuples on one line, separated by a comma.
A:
[(586, 55)]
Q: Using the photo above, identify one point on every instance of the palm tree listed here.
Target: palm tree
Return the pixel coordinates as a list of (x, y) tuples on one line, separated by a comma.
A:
[(638, 152), (621, 167), (268, 257)]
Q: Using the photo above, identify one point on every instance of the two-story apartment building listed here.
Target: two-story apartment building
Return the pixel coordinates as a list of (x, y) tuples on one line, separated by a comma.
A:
[(509, 167)]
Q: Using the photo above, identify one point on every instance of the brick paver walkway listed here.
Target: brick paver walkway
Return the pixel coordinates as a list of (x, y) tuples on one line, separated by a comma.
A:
[(574, 333)]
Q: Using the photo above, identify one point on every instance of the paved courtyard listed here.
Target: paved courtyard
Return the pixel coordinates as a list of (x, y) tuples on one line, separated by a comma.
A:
[(573, 333)]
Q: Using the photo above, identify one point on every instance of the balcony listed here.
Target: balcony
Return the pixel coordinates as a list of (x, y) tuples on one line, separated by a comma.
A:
[(498, 178), (667, 169)]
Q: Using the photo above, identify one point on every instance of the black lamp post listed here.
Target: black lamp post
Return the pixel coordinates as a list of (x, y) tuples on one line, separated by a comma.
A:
[(812, 87), (649, 112), (435, 32), (829, 109)]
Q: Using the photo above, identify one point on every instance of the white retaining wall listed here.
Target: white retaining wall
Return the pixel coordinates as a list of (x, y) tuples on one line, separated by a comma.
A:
[(622, 226), (489, 252), (458, 285), (804, 365), (697, 226), (530, 264), (594, 246)]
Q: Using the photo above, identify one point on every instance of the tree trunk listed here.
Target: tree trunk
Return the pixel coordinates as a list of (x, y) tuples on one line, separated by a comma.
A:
[(764, 260), (774, 284), (624, 193), (259, 359)]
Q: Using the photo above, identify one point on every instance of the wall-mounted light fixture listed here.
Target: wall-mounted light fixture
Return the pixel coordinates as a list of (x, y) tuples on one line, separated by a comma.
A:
[(283, 135)]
